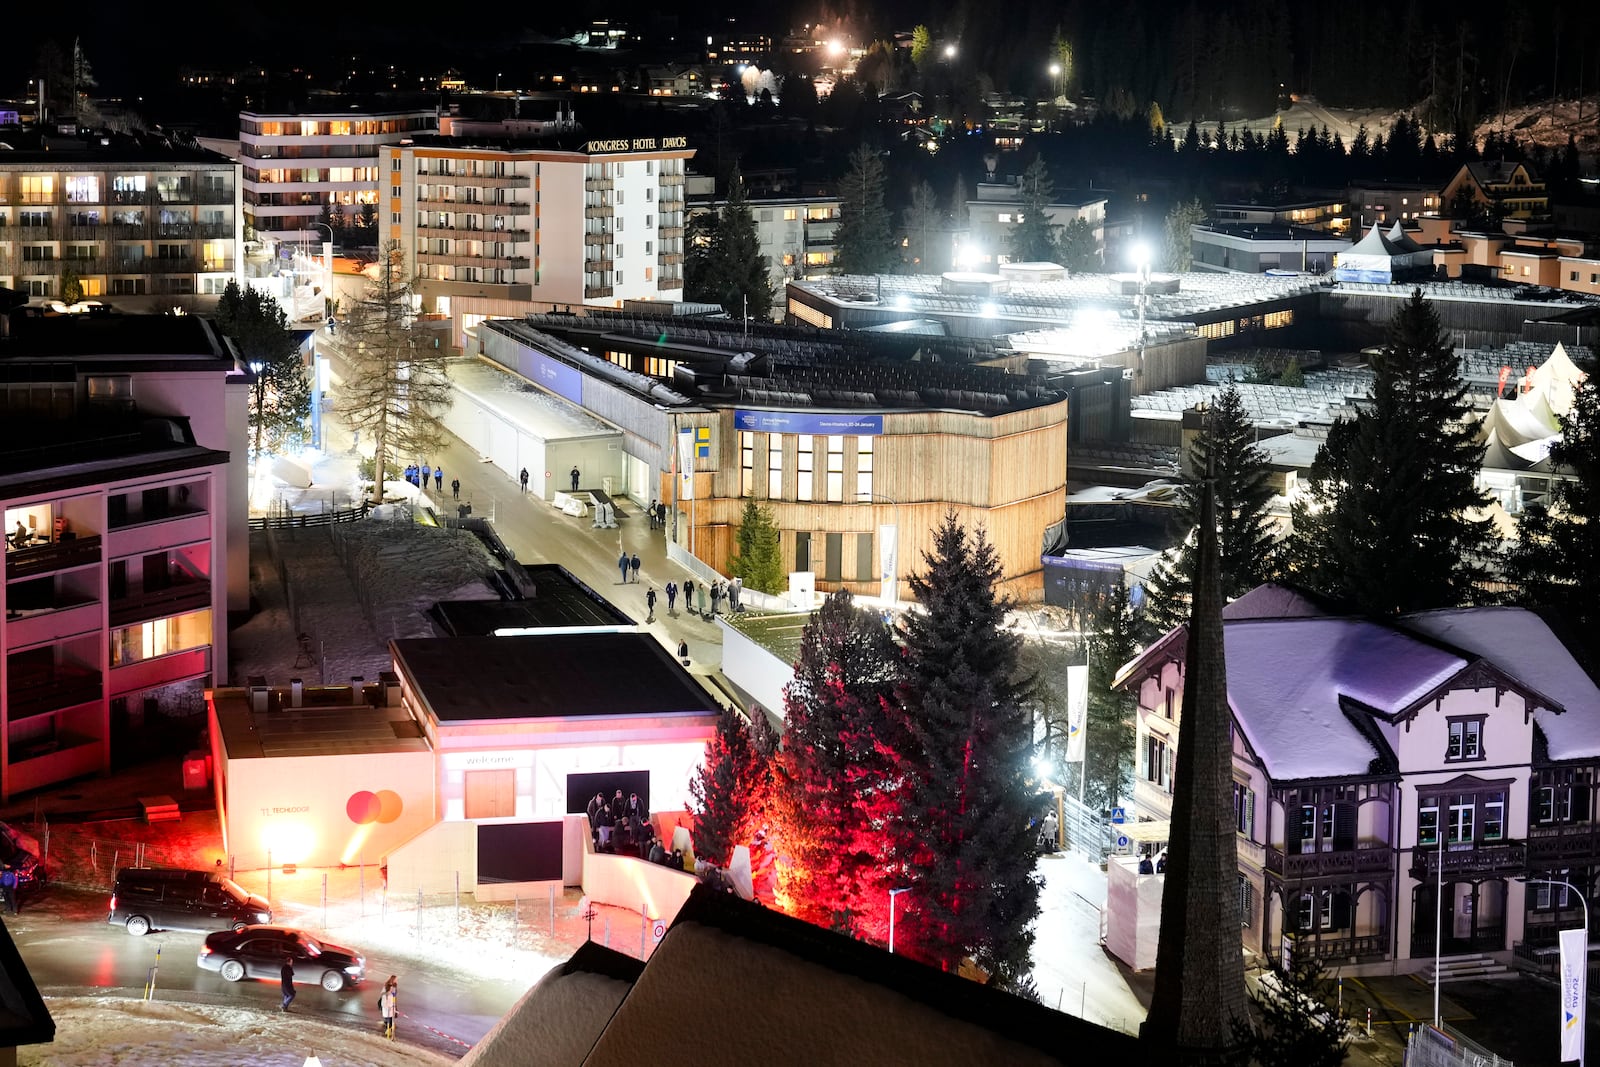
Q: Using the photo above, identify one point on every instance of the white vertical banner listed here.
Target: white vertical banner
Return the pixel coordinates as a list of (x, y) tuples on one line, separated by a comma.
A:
[(1077, 710), (685, 464), (888, 560), (1574, 991)]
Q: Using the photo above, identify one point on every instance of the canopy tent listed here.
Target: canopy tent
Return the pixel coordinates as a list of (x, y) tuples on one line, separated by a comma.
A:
[(1519, 429), (1377, 258)]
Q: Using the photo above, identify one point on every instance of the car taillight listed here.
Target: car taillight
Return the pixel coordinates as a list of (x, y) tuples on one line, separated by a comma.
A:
[(205, 950), (113, 902)]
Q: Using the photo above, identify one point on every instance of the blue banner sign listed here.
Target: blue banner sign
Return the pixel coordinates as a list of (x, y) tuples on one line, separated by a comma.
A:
[(813, 422), (552, 374)]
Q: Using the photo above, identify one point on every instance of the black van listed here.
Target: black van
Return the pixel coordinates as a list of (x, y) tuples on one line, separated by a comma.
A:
[(165, 898)]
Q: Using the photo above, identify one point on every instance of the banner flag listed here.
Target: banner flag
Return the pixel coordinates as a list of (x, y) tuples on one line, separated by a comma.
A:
[(1574, 991), (1077, 710)]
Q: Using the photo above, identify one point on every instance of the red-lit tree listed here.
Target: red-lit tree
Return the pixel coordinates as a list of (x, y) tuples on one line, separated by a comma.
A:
[(832, 771), (963, 841), (733, 785)]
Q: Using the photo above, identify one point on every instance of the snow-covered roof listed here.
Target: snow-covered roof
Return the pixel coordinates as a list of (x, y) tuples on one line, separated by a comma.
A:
[(1287, 679), (540, 413), (1520, 644), (1273, 601)]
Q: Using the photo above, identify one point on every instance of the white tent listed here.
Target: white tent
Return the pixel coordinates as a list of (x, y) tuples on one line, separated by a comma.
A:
[(1377, 258), (1518, 430)]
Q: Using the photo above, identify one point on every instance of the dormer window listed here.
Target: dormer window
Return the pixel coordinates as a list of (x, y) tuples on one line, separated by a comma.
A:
[(1466, 739)]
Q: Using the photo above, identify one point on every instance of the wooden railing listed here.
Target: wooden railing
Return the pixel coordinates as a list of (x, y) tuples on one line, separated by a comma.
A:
[(317, 518), (1364, 946), (1505, 857), (1366, 858), (1563, 841)]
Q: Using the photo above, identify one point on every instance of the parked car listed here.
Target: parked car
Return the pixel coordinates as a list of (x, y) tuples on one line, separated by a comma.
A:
[(258, 951), (20, 852), (167, 898)]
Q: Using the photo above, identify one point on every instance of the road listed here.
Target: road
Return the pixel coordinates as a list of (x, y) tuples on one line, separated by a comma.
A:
[(70, 950)]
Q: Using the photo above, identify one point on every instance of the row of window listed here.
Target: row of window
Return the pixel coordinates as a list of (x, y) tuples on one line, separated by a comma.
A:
[(825, 484), (312, 174), (173, 284), (333, 128)]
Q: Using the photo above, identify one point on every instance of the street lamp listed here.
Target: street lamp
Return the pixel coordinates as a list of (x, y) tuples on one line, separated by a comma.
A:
[(1141, 260), (893, 575), (949, 51), (1539, 881), (256, 367), (893, 893)]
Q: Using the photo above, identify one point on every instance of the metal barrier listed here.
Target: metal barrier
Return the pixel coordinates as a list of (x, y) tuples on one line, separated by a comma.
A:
[(1445, 1046), (1086, 829)]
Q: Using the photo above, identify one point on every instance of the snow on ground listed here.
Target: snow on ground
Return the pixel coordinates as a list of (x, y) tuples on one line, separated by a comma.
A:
[(107, 1031)]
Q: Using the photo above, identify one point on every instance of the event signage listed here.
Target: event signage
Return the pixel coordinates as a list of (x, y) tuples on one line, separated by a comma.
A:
[(888, 560), (553, 375), (634, 144), (813, 422), (1077, 710), (1574, 991)]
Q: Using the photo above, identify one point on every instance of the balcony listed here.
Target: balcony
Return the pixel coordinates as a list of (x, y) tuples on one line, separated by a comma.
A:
[(450, 203), (594, 239), (36, 692), (591, 265), (1359, 947), (1577, 841), (597, 211), (169, 264), (598, 185), (671, 179), (162, 670), (497, 181), (595, 292), (1370, 857), (28, 233), (667, 233), (453, 259), (55, 556), (671, 257), (213, 196), (159, 603), (67, 615), (1502, 857), (470, 233), (669, 283)]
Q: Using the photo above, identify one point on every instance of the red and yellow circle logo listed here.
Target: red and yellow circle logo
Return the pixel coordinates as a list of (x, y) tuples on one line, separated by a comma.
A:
[(367, 807)]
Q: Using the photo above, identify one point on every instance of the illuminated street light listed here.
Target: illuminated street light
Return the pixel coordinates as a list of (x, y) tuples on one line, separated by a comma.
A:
[(949, 51), (1055, 70), (835, 48)]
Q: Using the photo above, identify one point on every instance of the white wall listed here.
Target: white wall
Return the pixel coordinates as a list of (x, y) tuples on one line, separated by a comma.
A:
[(560, 232), (753, 669)]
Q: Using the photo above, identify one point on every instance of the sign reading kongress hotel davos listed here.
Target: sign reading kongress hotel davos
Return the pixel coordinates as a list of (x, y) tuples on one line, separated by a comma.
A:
[(634, 144)]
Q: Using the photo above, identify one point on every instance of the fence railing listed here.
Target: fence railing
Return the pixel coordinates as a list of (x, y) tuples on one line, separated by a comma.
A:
[(1085, 828), (1445, 1046), (317, 518)]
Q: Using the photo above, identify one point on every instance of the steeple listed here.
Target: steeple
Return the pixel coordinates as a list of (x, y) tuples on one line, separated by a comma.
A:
[(1199, 992)]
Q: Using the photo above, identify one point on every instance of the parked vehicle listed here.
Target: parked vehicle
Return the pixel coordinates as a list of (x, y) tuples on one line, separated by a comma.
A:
[(258, 951), (20, 852), (167, 898)]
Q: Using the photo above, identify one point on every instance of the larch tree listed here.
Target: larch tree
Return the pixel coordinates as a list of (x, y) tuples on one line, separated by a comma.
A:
[(863, 241), (758, 558), (398, 389), (1178, 248), (925, 229), (1247, 541), (1386, 521), (965, 767), (833, 782), (1555, 560), (732, 787), (281, 399), (1035, 237)]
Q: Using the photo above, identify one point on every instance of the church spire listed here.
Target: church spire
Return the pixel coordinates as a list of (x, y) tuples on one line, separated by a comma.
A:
[(1199, 995)]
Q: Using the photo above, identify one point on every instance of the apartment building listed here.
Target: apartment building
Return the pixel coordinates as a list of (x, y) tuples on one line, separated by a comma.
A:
[(795, 233), (997, 210), (122, 491), (1374, 761), (297, 163), (549, 218), (135, 221)]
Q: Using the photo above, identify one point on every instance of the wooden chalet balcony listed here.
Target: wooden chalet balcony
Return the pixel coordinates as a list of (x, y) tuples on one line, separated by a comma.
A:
[(1577, 841), (1360, 947), (1369, 858), (593, 292), (1501, 857), (55, 556)]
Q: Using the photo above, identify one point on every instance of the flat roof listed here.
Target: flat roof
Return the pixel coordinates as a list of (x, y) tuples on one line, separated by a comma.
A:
[(496, 679), (542, 414), (164, 341), (559, 599), (329, 726)]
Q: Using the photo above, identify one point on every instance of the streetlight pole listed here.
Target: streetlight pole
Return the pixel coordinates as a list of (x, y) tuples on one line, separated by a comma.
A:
[(256, 367), (894, 571), (1541, 881), (893, 893)]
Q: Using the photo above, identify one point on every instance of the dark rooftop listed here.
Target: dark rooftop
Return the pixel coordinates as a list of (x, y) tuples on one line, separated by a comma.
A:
[(1254, 231), (172, 338), (558, 600), (471, 679), (44, 455), (111, 149)]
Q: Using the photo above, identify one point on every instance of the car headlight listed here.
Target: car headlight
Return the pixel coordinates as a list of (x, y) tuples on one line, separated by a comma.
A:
[(263, 916), (354, 968)]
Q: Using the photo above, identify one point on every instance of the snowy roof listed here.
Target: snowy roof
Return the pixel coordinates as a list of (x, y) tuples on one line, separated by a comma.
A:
[(1274, 601), (562, 1014), (543, 414), (1375, 244), (1520, 644), (1288, 679)]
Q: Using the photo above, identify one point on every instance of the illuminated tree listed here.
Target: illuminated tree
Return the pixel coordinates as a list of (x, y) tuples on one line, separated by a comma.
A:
[(1109, 726), (964, 844), (921, 42), (1035, 237), (759, 559), (1179, 251), (282, 396), (732, 787)]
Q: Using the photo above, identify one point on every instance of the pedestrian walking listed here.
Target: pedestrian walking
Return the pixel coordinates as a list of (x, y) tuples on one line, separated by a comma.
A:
[(716, 598), (650, 602), (672, 598), (387, 1005), (455, 488), (700, 596), (522, 479), (688, 596), (633, 565), (653, 514), (8, 888), (622, 565), (287, 981), (683, 652), (438, 478), (574, 479), (734, 589)]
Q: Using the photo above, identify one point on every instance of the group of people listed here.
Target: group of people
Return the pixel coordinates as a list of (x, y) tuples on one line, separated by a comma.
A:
[(388, 998), (628, 565), (418, 474), (621, 826), (1149, 864), (658, 515), (695, 597)]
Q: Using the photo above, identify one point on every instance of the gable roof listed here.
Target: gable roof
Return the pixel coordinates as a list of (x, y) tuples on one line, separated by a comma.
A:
[(555, 1023)]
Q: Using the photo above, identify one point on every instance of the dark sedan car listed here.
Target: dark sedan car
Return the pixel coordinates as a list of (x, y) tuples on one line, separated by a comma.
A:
[(258, 951)]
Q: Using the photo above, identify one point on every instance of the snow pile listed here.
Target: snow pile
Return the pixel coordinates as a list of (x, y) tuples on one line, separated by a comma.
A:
[(94, 1031), (400, 570)]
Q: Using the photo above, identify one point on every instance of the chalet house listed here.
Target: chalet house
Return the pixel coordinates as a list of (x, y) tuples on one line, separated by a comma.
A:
[(1369, 754), (1513, 189)]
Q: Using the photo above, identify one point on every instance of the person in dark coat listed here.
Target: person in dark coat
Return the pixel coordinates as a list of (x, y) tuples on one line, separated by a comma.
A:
[(596, 806), (672, 598), (688, 596), (683, 652), (287, 976), (522, 479), (654, 514), (455, 487), (622, 565), (633, 565), (650, 602), (574, 479)]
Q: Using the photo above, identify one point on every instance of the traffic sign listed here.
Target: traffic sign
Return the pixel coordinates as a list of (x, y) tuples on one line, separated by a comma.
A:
[(1122, 840), (659, 930), (1118, 816)]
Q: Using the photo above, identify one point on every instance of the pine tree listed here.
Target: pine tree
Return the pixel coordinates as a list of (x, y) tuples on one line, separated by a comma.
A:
[(1247, 543), (1035, 237), (1178, 254), (831, 767), (925, 230), (736, 273), (732, 787), (1080, 252), (964, 847), (398, 390), (758, 561), (281, 401), (1108, 731), (1555, 560), (862, 241), (1384, 521)]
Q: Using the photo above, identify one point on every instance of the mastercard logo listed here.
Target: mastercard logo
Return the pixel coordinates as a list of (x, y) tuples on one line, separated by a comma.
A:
[(367, 807)]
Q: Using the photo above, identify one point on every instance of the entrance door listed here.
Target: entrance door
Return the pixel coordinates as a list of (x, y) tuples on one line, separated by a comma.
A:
[(491, 794)]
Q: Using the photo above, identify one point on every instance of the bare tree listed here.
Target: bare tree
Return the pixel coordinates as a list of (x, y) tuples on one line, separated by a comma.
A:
[(398, 390)]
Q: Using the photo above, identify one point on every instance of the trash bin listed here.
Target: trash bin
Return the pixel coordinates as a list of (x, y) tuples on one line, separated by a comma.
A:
[(194, 771)]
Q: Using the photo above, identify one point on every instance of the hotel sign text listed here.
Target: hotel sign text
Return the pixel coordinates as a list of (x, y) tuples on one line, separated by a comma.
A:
[(636, 144)]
